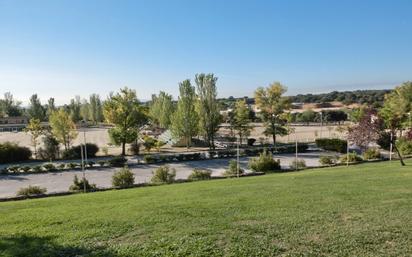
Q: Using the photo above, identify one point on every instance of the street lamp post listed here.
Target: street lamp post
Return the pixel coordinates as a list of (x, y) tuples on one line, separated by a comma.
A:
[(238, 158), (296, 152), (83, 171), (321, 124), (84, 156)]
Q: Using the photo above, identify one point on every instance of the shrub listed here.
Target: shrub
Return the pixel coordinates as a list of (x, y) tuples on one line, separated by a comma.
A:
[(302, 147), (199, 174), (149, 159), (134, 148), (79, 185), (164, 174), (101, 163), (26, 168), (119, 161), (264, 163), (31, 190), (232, 169), (384, 140), (327, 160), (91, 164), (149, 143), (37, 169), (297, 164), (105, 150), (353, 158), (61, 166), (10, 152), (404, 146), (332, 144), (251, 141), (123, 178), (50, 150), (14, 168), (72, 165), (75, 151), (49, 167), (371, 154)]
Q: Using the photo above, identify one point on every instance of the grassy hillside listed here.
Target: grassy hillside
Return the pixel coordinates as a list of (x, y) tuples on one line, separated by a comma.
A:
[(364, 210)]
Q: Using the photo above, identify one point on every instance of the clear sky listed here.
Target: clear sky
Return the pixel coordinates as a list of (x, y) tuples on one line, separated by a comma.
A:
[(66, 48)]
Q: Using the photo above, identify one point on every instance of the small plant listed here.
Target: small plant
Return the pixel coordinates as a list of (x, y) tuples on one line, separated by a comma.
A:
[(298, 164), (37, 169), (119, 161), (26, 168), (232, 170), (105, 150), (134, 148), (49, 167), (61, 166), (31, 190), (164, 174), (327, 160), (123, 178), (199, 174), (72, 165), (101, 163), (371, 154), (149, 159), (264, 163), (404, 145), (350, 158), (13, 169), (79, 185), (149, 143)]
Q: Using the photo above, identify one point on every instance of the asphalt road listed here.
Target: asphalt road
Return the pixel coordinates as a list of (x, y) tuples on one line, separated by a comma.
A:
[(61, 181)]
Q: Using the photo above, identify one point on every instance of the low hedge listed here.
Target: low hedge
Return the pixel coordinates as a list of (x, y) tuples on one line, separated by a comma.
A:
[(11, 152), (75, 152), (332, 144)]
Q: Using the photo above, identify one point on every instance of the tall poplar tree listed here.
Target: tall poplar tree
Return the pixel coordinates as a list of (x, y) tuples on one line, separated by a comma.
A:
[(185, 119), (208, 107)]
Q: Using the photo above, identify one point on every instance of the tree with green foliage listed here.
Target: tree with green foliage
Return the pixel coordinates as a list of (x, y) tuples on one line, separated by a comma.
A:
[(208, 107), (74, 109), (36, 109), (96, 109), (124, 111), (35, 129), (63, 128), (9, 106), (161, 109), (185, 118), (307, 116), (395, 112), (50, 107), (240, 121), (85, 110), (273, 104)]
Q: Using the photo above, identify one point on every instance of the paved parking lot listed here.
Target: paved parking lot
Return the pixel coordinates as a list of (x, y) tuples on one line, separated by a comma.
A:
[(61, 181)]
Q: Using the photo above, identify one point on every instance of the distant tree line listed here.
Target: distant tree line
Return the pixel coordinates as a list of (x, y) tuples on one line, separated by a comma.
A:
[(370, 97)]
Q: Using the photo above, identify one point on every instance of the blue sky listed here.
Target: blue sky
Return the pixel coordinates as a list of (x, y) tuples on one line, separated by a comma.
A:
[(66, 48)]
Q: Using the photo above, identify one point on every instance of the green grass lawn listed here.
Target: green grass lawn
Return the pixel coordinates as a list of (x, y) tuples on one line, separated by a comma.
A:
[(364, 210)]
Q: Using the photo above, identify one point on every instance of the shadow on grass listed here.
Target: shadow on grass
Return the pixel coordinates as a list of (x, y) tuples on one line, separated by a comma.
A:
[(23, 246)]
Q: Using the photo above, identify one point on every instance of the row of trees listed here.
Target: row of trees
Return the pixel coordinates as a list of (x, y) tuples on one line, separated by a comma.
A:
[(78, 109), (196, 113)]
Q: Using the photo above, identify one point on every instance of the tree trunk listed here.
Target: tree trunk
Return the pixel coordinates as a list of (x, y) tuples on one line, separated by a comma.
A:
[(399, 154), (123, 148)]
